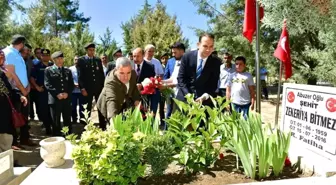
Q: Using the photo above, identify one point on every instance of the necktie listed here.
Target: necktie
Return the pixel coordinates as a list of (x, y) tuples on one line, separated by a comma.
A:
[(138, 69), (199, 69)]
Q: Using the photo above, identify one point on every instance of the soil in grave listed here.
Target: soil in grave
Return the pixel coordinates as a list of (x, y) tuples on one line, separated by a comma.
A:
[(223, 172)]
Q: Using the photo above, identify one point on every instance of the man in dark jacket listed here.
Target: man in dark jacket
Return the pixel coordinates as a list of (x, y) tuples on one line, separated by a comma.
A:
[(59, 84), (120, 91), (91, 78)]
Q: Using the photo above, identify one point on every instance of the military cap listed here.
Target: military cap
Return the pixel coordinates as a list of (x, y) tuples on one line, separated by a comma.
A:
[(18, 39), (28, 46), (57, 54), (45, 51), (117, 51), (178, 45), (90, 45)]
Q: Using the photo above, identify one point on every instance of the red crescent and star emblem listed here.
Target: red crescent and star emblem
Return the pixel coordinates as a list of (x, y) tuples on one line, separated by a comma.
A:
[(290, 97), (331, 105)]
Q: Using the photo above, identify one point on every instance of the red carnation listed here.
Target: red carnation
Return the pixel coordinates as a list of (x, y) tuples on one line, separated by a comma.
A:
[(287, 162), (221, 156)]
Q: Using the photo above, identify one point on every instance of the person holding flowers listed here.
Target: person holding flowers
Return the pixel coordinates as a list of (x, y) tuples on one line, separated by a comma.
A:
[(120, 90)]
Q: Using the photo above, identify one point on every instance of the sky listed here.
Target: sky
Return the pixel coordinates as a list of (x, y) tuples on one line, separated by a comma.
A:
[(111, 13)]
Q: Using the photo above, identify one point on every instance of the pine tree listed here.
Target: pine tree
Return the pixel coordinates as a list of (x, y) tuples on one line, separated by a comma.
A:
[(108, 44), (60, 16), (79, 37), (153, 26)]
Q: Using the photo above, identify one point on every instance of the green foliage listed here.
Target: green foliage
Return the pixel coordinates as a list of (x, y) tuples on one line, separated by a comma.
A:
[(278, 150), (108, 45), (311, 29), (131, 121), (106, 157), (158, 153), (266, 148), (79, 37), (194, 142), (152, 26), (311, 36), (60, 16), (58, 44)]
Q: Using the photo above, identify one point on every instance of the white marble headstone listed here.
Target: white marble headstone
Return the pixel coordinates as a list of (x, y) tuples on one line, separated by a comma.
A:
[(309, 114), (6, 166)]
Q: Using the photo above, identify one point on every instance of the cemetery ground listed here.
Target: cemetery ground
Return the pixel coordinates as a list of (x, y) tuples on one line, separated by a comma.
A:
[(223, 172)]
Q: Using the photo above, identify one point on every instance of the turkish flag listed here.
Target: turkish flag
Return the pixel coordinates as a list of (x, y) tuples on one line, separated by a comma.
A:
[(250, 18), (282, 52)]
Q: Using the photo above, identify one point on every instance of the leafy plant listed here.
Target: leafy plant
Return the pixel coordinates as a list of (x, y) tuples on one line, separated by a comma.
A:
[(158, 153), (105, 157), (193, 140), (278, 146), (258, 147)]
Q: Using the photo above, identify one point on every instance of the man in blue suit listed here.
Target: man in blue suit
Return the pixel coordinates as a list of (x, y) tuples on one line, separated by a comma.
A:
[(172, 69)]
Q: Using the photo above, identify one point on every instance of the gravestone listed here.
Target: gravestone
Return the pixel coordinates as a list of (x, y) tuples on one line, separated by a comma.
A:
[(6, 166), (309, 114)]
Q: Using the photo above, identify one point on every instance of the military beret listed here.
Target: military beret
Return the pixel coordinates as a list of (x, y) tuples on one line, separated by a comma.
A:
[(90, 45), (178, 45), (18, 39), (117, 51), (45, 51), (57, 54)]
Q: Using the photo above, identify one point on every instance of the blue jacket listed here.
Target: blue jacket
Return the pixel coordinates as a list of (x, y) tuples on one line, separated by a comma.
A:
[(169, 68)]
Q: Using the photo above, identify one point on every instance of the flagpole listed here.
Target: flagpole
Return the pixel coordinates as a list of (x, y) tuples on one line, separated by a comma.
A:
[(278, 96), (257, 56)]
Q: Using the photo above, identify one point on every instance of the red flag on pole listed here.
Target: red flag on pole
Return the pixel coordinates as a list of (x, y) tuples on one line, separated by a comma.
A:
[(250, 18), (282, 52)]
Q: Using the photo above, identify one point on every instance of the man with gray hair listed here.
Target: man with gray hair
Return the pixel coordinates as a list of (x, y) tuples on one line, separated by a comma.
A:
[(120, 91), (149, 57)]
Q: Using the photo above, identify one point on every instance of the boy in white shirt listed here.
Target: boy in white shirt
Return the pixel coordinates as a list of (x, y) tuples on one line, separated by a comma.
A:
[(241, 88)]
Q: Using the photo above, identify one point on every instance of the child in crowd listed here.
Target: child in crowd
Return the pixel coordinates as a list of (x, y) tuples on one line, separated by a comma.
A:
[(240, 88)]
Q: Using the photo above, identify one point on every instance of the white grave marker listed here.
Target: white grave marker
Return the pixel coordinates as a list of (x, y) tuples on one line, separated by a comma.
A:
[(309, 113), (6, 166)]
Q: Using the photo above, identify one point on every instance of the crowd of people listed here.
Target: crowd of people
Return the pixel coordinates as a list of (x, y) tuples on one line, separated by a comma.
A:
[(41, 79)]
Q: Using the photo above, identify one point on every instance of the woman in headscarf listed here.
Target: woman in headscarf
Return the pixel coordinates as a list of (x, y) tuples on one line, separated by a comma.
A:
[(6, 91)]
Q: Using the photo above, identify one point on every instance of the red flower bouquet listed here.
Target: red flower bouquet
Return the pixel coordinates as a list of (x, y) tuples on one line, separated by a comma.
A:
[(150, 85)]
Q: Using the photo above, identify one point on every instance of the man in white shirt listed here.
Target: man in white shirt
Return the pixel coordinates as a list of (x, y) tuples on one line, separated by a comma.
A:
[(149, 57), (226, 69), (104, 61), (77, 99)]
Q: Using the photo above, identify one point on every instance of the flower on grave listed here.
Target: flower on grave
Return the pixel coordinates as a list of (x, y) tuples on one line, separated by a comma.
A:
[(221, 156), (287, 162)]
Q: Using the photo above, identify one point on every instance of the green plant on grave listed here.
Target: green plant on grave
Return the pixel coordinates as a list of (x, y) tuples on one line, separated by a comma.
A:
[(106, 157), (278, 145), (258, 147), (131, 121), (158, 153), (194, 143)]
